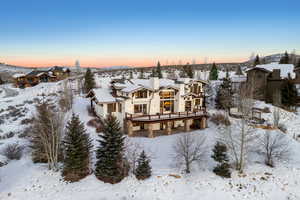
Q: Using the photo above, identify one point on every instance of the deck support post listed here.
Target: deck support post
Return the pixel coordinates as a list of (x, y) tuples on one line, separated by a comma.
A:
[(168, 128), (187, 125), (203, 123), (129, 128), (150, 131)]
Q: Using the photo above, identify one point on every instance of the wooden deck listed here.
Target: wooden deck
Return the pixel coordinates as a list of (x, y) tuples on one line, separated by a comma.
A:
[(166, 116)]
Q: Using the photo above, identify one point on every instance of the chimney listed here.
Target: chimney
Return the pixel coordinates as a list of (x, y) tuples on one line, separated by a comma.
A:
[(154, 82), (276, 74)]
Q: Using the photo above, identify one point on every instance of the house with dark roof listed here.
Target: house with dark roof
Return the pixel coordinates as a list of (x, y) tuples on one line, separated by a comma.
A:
[(264, 82)]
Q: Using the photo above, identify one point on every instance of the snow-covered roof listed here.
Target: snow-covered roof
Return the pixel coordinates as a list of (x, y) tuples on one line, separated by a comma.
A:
[(103, 95), (18, 75), (285, 69)]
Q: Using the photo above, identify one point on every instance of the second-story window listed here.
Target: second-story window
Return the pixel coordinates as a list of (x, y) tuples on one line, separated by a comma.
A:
[(166, 95), (140, 108), (141, 94), (111, 107)]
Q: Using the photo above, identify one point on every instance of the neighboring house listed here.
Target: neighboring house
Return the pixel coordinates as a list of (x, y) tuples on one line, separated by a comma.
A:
[(37, 76), (59, 72), (152, 104), (264, 82)]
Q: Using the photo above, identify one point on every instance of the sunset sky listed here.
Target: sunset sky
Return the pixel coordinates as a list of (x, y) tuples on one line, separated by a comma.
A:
[(139, 33)]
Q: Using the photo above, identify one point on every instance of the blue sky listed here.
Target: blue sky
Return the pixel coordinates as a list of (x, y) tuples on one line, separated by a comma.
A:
[(138, 33)]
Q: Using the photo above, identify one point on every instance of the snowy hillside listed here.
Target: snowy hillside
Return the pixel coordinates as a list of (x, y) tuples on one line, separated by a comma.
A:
[(22, 179)]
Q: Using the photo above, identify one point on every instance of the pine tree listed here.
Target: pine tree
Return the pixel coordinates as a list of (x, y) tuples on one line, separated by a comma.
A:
[(256, 61), (188, 70), (285, 59), (298, 64), (111, 167), (1, 81), (89, 81), (142, 75), (158, 70), (77, 146), (289, 94), (227, 74), (220, 156), (224, 98), (143, 169), (130, 75), (153, 73), (213, 74)]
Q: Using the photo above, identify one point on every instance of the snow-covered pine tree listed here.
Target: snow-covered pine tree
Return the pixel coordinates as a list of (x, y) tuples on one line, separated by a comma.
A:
[(158, 70), (224, 97), (89, 81), (289, 94), (188, 70), (256, 61), (130, 75), (143, 169), (213, 74), (111, 166), (285, 59), (142, 75), (77, 146), (298, 64), (220, 156)]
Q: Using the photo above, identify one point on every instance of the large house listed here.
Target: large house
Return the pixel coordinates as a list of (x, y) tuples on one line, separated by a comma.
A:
[(36, 76), (152, 105), (265, 81)]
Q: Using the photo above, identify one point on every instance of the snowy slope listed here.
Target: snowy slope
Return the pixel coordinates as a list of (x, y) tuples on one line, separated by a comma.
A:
[(24, 180)]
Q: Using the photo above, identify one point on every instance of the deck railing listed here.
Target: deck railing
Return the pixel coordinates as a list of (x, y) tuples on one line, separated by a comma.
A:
[(157, 116)]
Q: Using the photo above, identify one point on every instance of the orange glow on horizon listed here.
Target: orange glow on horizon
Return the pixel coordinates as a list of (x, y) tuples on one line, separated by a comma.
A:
[(105, 62)]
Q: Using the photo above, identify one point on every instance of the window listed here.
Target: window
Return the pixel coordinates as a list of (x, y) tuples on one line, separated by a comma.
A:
[(188, 106), (140, 108), (141, 94), (111, 107), (167, 106), (167, 95), (197, 102), (196, 88)]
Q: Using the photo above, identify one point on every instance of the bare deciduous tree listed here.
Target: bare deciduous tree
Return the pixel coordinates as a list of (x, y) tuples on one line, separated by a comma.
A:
[(274, 146), (46, 135), (189, 149), (240, 139), (276, 117), (66, 97), (132, 152)]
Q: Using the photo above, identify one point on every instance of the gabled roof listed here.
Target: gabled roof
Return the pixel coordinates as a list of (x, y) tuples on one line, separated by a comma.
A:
[(36, 73), (103, 95), (57, 68), (18, 75)]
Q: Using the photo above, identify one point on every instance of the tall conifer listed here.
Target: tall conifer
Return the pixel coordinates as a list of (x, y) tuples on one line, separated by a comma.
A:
[(111, 166), (213, 74), (89, 81), (77, 146)]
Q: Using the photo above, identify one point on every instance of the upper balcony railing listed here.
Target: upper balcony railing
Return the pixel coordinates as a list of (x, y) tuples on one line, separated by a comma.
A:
[(165, 116)]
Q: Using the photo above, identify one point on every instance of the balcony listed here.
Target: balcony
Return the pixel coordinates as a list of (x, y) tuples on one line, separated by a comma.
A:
[(167, 116)]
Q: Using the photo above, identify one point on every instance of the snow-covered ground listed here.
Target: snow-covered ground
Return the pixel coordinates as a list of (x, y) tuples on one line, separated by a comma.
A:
[(24, 180)]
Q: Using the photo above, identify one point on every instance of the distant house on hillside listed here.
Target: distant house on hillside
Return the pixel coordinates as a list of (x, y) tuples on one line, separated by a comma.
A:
[(37, 76), (238, 79), (152, 105), (59, 72), (265, 81)]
